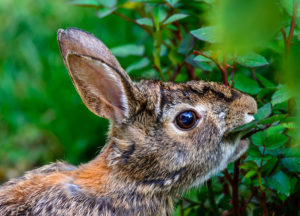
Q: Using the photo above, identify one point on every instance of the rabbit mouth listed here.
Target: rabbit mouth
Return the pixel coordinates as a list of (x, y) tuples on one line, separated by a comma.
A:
[(238, 145), (240, 149)]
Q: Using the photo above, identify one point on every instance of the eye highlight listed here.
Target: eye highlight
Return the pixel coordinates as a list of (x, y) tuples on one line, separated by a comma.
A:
[(186, 120)]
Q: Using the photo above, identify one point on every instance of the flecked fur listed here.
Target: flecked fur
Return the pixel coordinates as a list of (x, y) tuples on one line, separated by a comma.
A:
[(147, 162)]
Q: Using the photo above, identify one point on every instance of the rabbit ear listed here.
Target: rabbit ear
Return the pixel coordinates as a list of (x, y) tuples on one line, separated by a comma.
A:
[(102, 84)]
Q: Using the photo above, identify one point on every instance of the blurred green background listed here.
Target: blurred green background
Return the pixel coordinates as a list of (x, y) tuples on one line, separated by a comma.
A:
[(42, 118)]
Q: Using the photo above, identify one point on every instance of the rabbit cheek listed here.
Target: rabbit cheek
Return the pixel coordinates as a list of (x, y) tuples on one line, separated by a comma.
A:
[(207, 137), (234, 119)]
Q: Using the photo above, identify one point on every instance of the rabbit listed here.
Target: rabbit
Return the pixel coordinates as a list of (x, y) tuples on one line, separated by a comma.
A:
[(164, 138)]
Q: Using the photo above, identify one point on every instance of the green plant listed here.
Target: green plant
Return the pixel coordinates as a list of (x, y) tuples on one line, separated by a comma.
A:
[(249, 45)]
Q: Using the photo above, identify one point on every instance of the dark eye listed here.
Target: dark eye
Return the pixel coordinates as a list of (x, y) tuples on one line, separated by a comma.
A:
[(186, 120)]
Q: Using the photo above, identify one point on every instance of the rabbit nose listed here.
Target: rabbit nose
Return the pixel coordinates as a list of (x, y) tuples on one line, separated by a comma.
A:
[(251, 108)]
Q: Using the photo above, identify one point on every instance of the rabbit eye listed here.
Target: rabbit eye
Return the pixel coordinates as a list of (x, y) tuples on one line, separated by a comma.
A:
[(186, 120)]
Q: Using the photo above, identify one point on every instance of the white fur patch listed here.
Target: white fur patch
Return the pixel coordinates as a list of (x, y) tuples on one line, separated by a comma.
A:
[(227, 152), (248, 118)]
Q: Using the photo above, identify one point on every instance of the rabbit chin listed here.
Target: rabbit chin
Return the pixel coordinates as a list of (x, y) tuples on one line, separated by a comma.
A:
[(232, 149)]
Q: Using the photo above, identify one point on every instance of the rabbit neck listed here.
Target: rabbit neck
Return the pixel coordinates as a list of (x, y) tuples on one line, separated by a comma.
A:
[(103, 179)]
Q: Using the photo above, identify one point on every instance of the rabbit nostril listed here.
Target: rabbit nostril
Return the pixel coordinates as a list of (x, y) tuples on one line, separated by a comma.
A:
[(251, 113)]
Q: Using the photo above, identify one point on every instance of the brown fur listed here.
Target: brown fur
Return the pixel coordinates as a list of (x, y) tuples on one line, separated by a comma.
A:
[(147, 161)]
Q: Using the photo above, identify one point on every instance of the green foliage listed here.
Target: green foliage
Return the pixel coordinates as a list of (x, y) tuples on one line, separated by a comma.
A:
[(250, 45)]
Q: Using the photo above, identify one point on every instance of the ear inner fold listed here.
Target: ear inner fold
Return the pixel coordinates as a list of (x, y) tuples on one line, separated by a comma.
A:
[(99, 86)]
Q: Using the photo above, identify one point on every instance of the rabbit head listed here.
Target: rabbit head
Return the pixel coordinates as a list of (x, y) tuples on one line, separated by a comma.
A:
[(163, 135)]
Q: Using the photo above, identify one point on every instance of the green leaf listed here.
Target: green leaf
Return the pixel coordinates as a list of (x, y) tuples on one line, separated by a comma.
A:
[(186, 44), (280, 182), (266, 93), (264, 81), (245, 127), (138, 65), (289, 125), (144, 21), (103, 12), (259, 138), (254, 152), (249, 165), (200, 58), (172, 2), (288, 6), (209, 1), (268, 167), (252, 60), (208, 34), (264, 111), (250, 173), (148, 1), (85, 3), (277, 129), (291, 159), (275, 141), (108, 3), (273, 119), (281, 95), (246, 84), (128, 49), (159, 15), (174, 18)]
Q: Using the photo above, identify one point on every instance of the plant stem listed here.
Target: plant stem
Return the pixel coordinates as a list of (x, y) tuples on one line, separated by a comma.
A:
[(132, 21), (211, 198), (222, 68), (160, 72), (254, 74), (254, 192), (191, 201), (224, 72), (232, 75), (176, 72), (263, 203), (235, 188), (283, 32), (275, 166), (228, 177), (292, 27), (191, 71), (181, 209)]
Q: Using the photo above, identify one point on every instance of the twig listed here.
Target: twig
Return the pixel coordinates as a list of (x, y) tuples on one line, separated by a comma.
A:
[(225, 185), (254, 74), (176, 72), (211, 198), (282, 30), (181, 209), (132, 21), (191, 201), (224, 72), (160, 72), (235, 188), (249, 200), (228, 177), (292, 27), (275, 166), (223, 69), (263, 203), (191, 71), (232, 74), (177, 32), (255, 131)]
